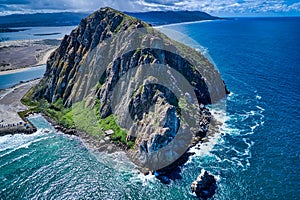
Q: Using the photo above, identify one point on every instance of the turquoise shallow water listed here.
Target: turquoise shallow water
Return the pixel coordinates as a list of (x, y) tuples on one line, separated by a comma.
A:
[(257, 157)]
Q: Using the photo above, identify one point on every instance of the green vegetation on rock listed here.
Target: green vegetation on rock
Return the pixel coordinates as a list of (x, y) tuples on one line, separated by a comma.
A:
[(183, 104), (79, 116)]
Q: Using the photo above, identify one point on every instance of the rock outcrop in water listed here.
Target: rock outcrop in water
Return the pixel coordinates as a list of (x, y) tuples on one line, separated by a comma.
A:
[(152, 85), (205, 185)]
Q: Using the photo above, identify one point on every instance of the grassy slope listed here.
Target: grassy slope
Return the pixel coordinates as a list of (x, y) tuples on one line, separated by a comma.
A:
[(79, 117)]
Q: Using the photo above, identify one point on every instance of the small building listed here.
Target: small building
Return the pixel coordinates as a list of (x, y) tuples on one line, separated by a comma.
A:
[(109, 132)]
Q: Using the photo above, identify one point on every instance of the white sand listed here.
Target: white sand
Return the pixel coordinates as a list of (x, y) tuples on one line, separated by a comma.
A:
[(44, 58)]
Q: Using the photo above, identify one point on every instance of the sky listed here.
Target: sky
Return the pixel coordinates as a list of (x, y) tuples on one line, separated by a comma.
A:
[(214, 7)]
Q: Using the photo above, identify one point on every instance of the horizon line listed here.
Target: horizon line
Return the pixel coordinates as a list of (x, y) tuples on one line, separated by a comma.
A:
[(238, 15)]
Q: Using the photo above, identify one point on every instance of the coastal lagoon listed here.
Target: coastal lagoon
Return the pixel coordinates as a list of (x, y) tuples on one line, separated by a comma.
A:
[(9, 79), (255, 157), (36, 33)]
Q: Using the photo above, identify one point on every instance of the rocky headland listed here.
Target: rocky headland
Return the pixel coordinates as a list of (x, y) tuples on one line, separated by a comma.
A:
[(116, 79)]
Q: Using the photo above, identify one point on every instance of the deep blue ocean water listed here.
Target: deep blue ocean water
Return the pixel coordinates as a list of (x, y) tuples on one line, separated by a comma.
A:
[(260, 63), (257, 157)]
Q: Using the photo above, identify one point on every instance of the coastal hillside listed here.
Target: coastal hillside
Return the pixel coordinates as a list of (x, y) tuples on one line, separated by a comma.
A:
[(40, 19), (170, 17), (71, 19), (118, 79)]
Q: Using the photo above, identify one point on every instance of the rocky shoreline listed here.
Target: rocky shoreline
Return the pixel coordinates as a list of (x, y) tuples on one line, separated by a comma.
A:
[(209, 127), (95, 143), (17, 130), (203, 187)]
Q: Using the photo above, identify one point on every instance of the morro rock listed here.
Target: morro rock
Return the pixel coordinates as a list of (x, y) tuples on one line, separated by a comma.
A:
[(144, 86)]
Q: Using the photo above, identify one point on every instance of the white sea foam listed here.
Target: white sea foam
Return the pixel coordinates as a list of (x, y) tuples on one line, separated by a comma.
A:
[(232, 145), (262, 109), (258, 97), (120, 162), (254, 127), (204, 149), (145, 179), (17, 141), (117, 161), (20, 141)]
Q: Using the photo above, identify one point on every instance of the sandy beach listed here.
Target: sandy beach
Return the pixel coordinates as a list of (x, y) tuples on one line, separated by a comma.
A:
[(15, 55), (10, 104)]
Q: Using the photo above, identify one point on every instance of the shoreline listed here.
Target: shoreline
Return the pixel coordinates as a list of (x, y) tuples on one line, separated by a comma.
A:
[(185, 23), (10, 106), (21, 54), (12, 71), (94, 143), (104, 144)]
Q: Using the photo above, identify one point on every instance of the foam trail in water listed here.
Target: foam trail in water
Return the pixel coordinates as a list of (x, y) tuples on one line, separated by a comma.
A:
[(204, 149), (18, 140), (232, 145)]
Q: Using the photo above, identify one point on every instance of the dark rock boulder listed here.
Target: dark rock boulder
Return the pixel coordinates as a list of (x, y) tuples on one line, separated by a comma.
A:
[(205, 185)]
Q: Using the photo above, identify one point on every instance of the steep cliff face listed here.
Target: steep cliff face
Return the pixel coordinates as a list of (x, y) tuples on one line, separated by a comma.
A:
[(152, 85)]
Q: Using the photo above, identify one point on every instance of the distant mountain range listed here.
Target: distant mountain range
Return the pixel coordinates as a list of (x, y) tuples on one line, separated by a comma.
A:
[(41, 19), (170, 17), (68, 19)]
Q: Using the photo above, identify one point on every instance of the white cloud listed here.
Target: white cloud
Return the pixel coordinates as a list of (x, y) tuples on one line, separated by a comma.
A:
[(211, 6), (227, 6)]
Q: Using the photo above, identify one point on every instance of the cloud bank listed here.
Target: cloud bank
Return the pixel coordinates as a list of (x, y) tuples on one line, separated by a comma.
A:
[(223, 7)]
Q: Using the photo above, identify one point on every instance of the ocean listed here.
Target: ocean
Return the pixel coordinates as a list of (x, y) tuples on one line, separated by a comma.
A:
[(255, 157)]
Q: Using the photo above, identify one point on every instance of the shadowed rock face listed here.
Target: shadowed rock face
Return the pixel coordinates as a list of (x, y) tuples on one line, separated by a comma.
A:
[(139, 75), (205, 185)]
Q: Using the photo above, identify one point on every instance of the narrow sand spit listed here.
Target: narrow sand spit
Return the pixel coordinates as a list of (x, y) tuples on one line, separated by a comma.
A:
[(10, 103)]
